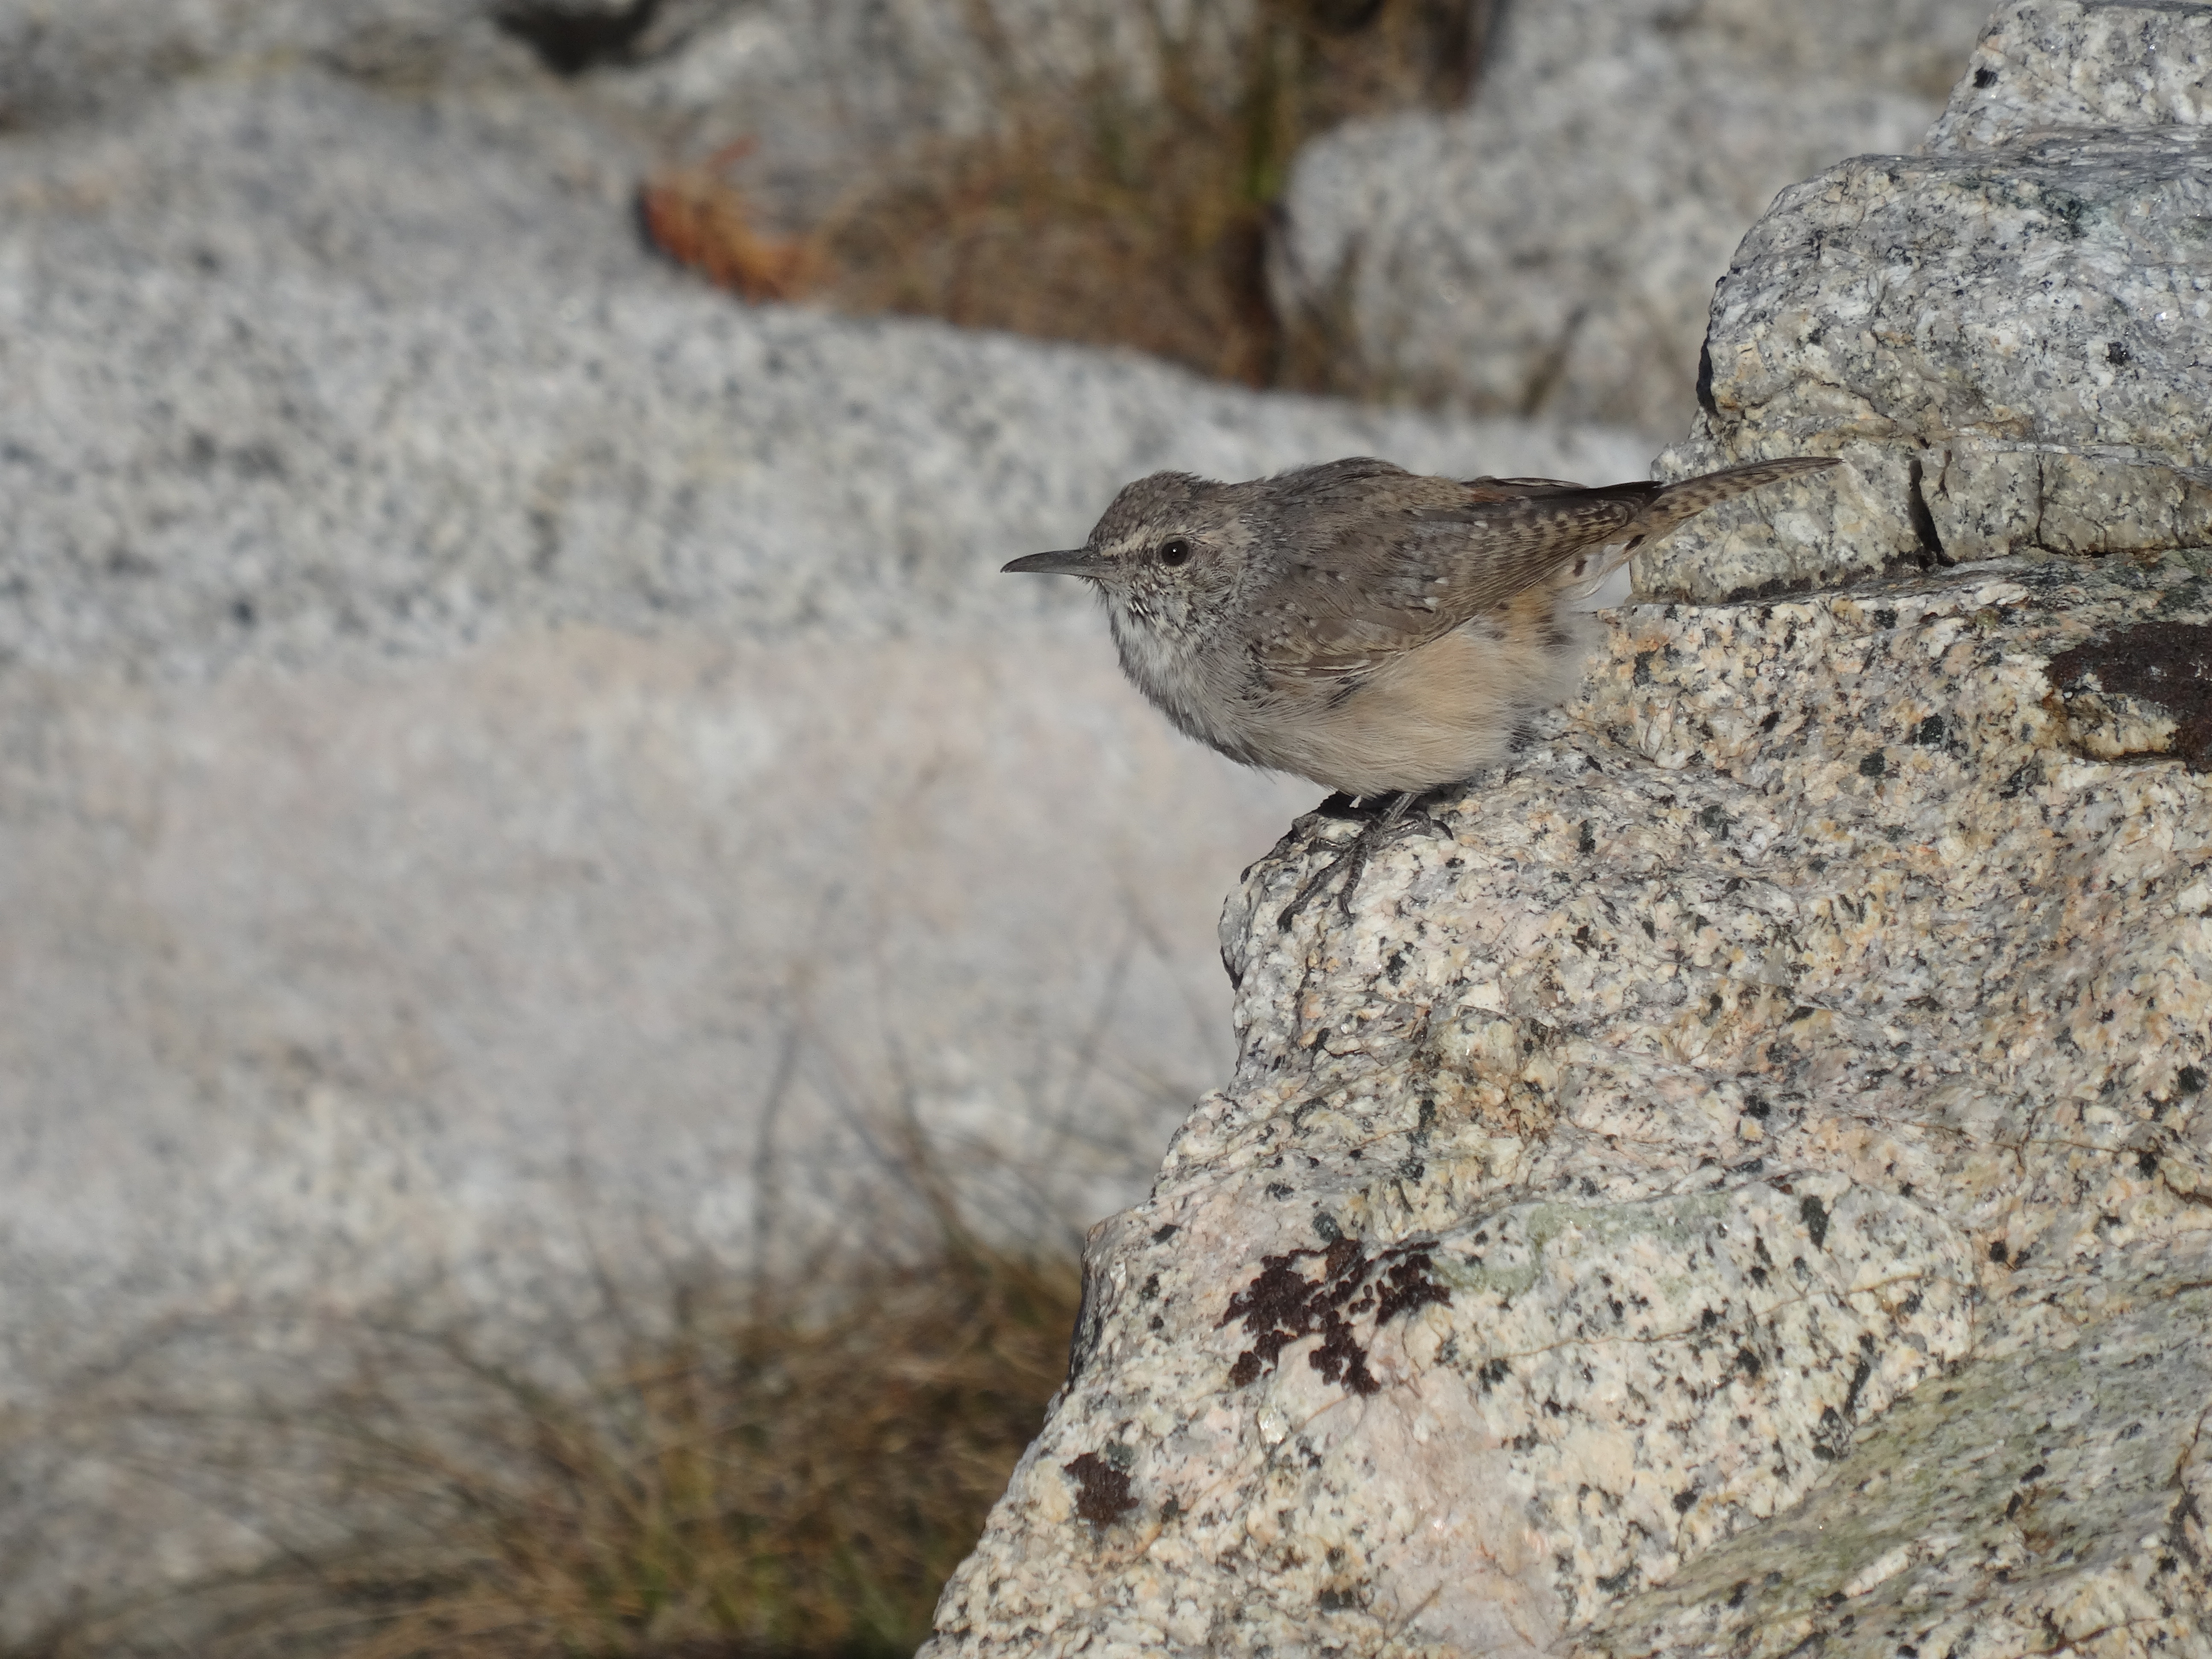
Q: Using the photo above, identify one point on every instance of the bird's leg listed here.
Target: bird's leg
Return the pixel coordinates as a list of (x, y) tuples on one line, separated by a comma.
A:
[(1352, 861)]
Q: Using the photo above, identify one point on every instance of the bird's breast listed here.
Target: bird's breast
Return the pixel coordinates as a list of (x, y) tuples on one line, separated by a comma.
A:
[(1208, 693)]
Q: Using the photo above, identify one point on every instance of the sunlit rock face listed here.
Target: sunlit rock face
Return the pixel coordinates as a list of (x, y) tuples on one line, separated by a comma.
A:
[(1711, 1174), (1734, 1180), (2009, 338)]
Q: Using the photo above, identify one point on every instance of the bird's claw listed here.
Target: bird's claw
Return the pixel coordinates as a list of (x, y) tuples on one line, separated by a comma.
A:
[(1382, 824)]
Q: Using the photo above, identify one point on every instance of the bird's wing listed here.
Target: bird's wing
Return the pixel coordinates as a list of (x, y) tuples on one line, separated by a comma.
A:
[(1393, 569), (1376, 583), (1510, 489)]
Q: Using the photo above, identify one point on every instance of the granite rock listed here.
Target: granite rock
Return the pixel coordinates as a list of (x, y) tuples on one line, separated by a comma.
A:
[(63, 61), (2009, 338), (277, 314), (814, 90), (1551, 248), (1732, 1180), (2119, 65), (361, 465), (511, 764)]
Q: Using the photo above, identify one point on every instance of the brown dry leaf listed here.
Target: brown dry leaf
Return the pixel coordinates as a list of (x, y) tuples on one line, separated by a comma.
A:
[(697, 217)]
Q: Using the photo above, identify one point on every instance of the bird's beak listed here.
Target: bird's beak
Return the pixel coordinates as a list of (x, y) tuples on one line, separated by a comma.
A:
[(1076, 561)]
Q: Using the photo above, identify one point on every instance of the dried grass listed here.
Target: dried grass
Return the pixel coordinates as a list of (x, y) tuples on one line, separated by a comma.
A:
[(1098, 215), (767, 1483)]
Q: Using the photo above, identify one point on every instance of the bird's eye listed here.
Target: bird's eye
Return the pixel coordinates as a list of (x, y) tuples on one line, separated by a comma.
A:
[(1176, 550)]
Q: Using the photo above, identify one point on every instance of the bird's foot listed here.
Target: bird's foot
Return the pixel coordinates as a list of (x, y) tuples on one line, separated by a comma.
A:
[(1384, 819)]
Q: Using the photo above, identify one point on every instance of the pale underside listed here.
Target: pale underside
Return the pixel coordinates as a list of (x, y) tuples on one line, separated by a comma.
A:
[(1431, 715)]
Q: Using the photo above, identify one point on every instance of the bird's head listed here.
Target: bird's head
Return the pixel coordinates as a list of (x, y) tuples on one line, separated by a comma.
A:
[(1167, 558)]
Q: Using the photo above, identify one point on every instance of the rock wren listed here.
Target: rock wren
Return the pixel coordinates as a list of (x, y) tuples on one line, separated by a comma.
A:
[(1370, 628)]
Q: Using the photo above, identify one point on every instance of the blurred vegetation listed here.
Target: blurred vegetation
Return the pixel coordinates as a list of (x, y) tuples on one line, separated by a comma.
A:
[(1107, 208), (765, 1482)]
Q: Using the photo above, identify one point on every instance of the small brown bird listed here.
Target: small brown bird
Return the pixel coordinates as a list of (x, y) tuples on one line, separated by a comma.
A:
[(1367, 627)]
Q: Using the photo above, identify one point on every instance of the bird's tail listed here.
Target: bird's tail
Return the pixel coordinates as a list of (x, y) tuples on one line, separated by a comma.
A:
[(1685, 499), (1693, 496)]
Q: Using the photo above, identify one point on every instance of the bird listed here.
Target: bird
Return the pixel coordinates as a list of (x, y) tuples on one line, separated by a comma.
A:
[(1378, 631)]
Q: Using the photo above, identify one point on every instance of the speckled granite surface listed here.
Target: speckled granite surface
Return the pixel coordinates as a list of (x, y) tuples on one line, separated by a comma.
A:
[(1739, 1181), (2008, 338), (1738, 1177)]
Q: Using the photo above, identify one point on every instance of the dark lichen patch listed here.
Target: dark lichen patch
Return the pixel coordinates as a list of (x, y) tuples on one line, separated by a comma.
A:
[(2193, 595), (1282, 1305), (1406, 1285), (2165, 664), (1103, 1495)]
